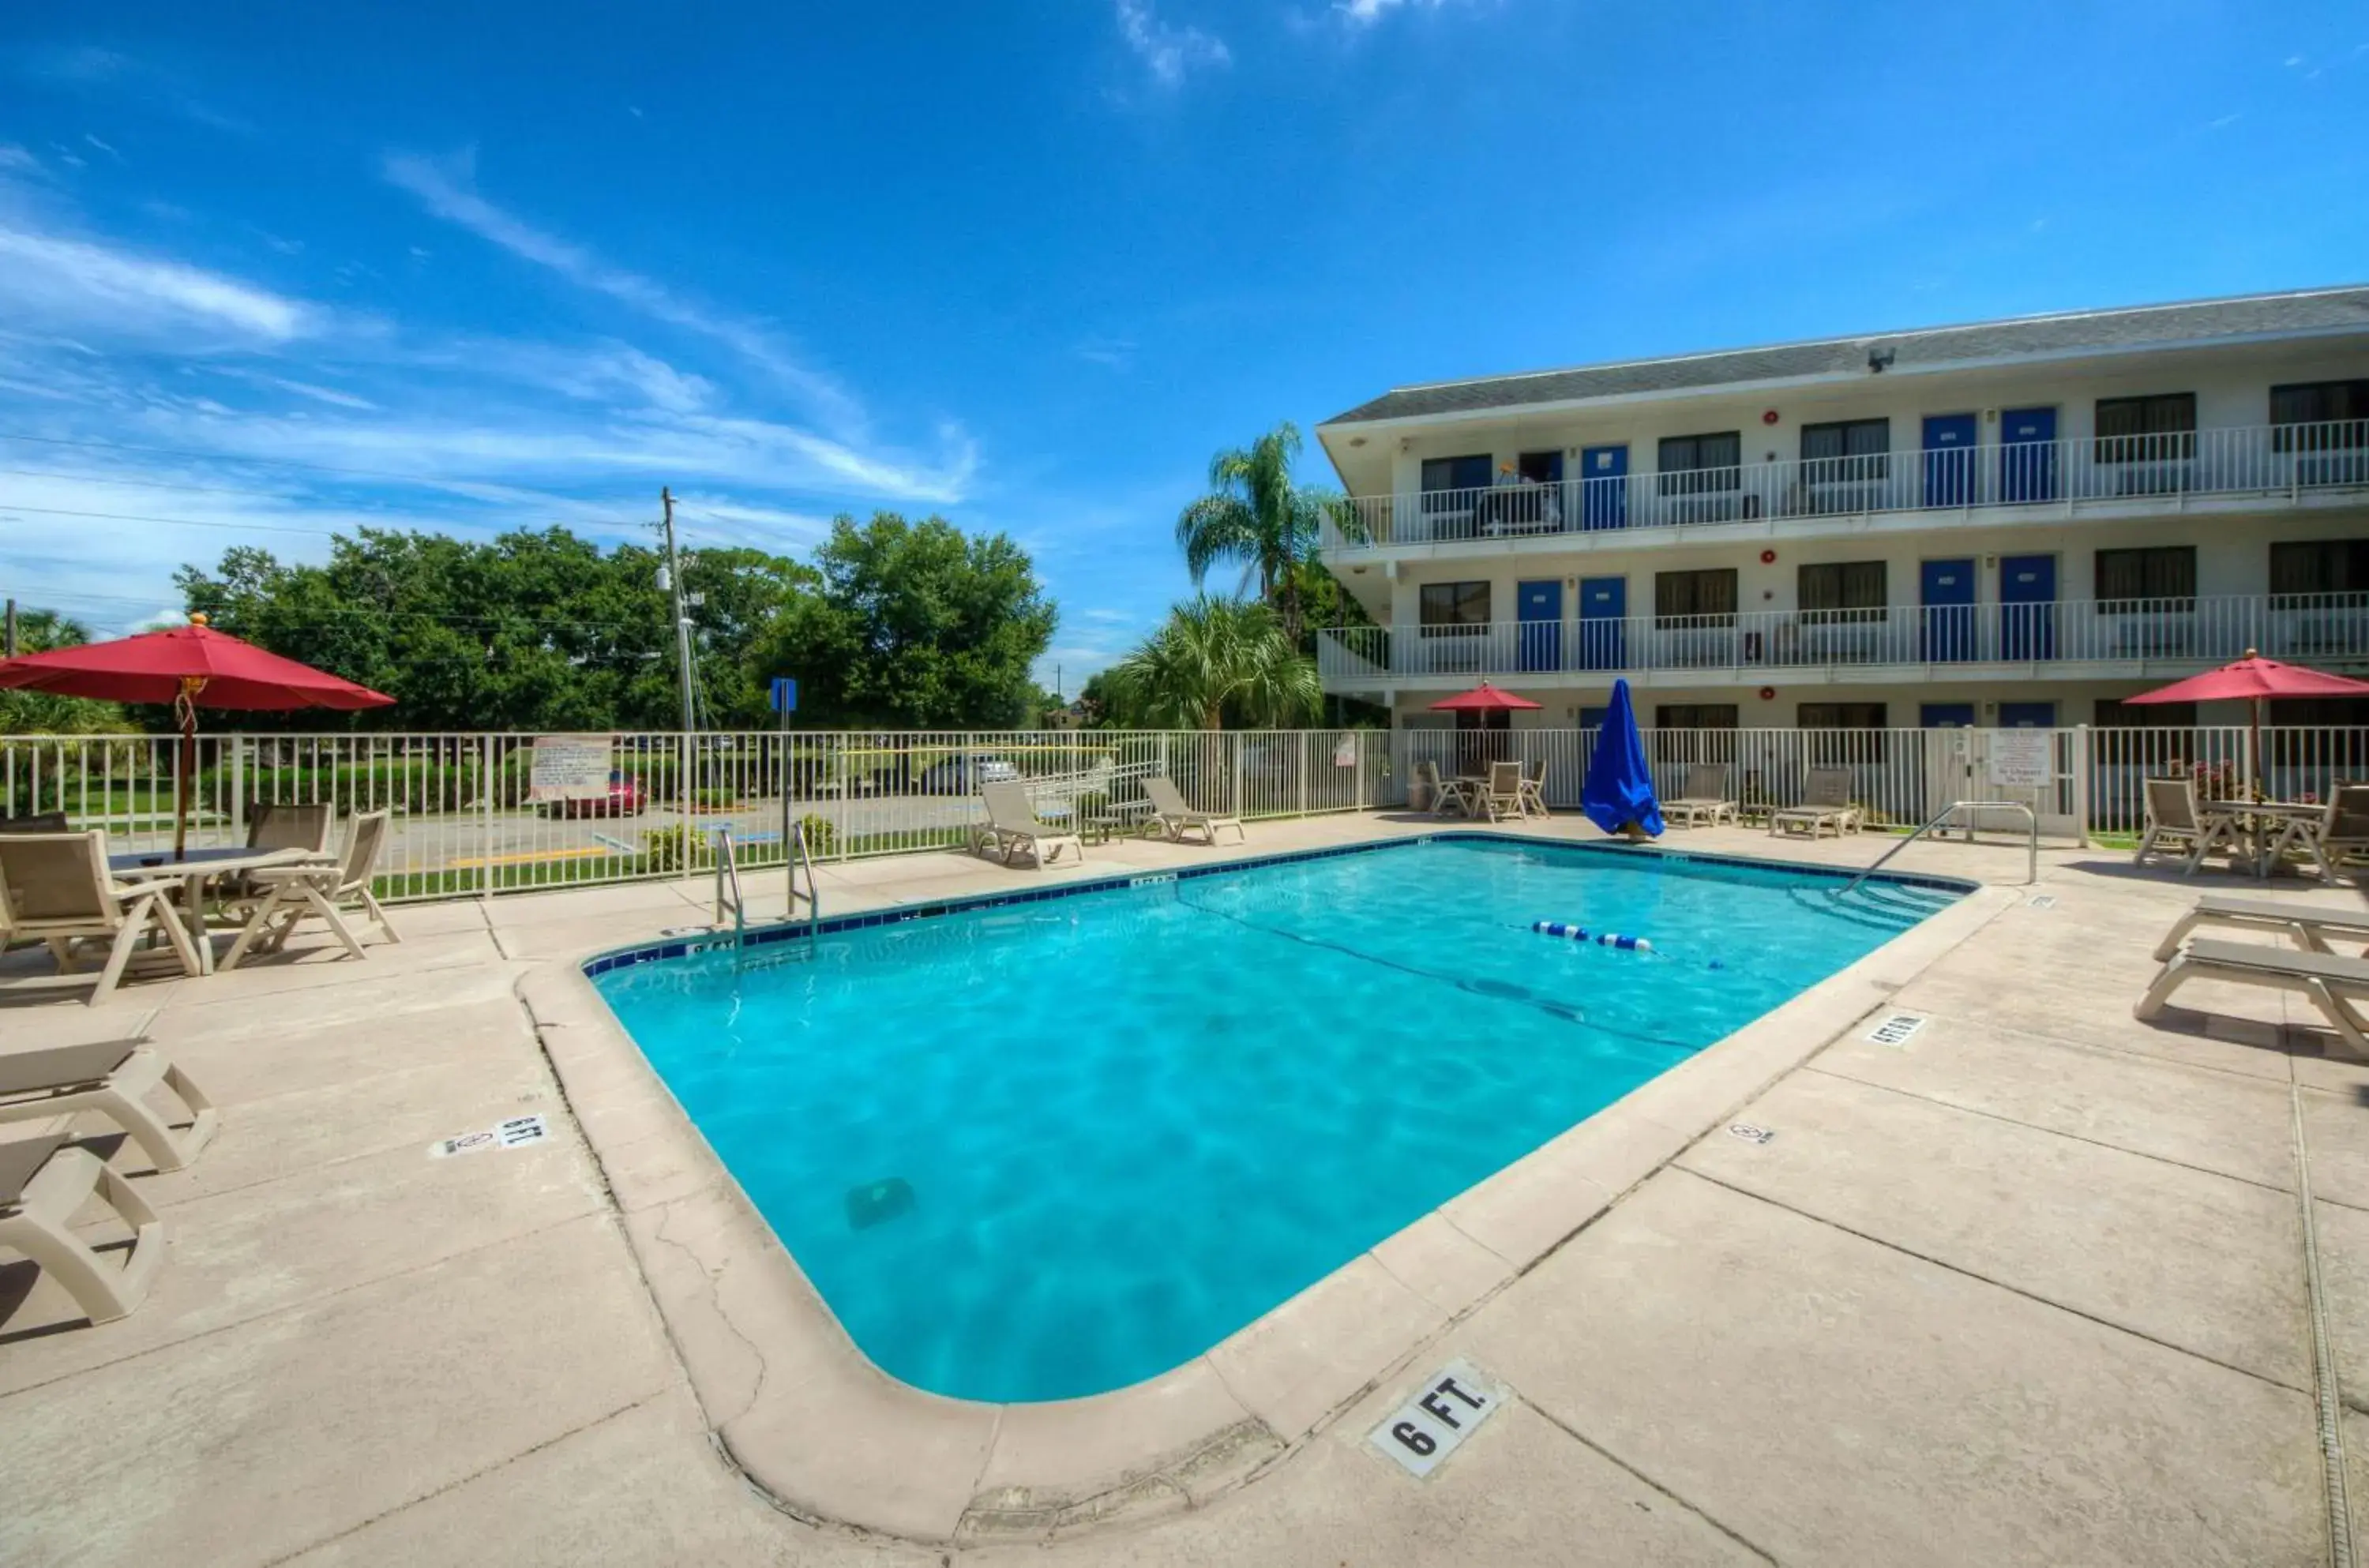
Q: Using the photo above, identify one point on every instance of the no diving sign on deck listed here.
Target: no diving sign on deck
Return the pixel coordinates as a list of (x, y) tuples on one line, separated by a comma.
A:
[(1433, 1424)]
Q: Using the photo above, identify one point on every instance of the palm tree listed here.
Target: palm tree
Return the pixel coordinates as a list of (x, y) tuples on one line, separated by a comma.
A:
[(1213, 654), (39, 713), (1255, 516)]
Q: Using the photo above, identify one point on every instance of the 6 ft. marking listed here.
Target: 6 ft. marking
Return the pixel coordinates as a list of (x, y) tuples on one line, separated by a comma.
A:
[(1434, 1423)]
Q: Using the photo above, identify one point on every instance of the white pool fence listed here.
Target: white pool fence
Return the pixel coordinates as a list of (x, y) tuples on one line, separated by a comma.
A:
[(466, 822)]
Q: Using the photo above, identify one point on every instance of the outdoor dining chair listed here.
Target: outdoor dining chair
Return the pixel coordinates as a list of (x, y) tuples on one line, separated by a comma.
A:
[(56, 889), (294, 894)]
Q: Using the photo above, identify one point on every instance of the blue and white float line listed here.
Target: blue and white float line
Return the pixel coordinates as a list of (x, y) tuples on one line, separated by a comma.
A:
[(1601, 938)]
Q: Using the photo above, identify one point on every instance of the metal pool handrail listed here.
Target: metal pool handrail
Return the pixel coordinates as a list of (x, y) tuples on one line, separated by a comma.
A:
[(793, 855), (727, 885), (2032, 869)]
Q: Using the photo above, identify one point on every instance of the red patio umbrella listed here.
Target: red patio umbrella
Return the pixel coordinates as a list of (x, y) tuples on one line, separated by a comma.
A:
[(2250, 680), (1485, 698), (190, 666)]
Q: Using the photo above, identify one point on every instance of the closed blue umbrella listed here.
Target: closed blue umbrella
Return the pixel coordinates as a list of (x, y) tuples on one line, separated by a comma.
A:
[(1619, 794)]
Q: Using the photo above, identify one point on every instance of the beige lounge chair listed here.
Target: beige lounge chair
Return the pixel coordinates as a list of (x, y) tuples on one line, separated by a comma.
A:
[(112, 1079), (1706, 798), (2332, 980), (292, 894), (1176, 819), (1012, 826), (2310, 924), (1502, 797), (2174, 826), (1445, 792), (42, 1182), (1826, 807), (55, 887), (1533, 789)]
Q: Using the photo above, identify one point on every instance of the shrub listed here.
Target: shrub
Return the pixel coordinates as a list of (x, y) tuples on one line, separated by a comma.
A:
[(820, 835), (676, 848)]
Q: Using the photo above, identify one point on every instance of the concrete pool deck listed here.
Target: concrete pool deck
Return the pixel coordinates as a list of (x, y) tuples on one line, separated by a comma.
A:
[(2030, 1288)]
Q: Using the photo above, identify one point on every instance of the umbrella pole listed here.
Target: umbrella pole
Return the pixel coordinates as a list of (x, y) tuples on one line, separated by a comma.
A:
[(2257, 749), (181, 789)]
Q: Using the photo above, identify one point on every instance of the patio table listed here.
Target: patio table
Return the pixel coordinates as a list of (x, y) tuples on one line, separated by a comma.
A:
[(2264, 827), (193, 871)]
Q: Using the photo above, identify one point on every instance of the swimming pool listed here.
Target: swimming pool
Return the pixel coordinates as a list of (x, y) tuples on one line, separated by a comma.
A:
[(1048, 1148)]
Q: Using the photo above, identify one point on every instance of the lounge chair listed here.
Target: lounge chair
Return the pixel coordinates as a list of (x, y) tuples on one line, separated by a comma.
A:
[(2332, 980), (110, 1078), (292, 894), (2309, 924), (2340, 832), (1502, 797), (2174, 826), (1826, 807), (1176, 819), (1013, 825), (1706, 798), (42, 1182), (1445, 792), (56, 889), (1533, 789)]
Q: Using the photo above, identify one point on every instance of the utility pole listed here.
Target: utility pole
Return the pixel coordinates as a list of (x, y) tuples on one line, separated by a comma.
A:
[(681, 615)]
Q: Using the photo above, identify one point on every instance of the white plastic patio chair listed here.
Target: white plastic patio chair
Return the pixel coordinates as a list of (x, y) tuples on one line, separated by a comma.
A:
[(294, 894), (57, 888)]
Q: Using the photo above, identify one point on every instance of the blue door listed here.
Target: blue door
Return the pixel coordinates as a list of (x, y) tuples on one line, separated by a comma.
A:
[(2027, 454), (1946, 716), (2027, 607), (1602, 630), (1949, 460), (1539, 605), (1604, 486), (2026, 716), (1949, 598)]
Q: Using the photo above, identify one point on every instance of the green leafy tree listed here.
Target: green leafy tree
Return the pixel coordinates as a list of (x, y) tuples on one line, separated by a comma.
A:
[(38, 713), (1256, 516), (1215, 658), (917, 626)]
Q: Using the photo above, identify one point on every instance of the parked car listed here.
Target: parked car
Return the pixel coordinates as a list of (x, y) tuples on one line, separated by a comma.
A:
[(963, 774), (624, 798)]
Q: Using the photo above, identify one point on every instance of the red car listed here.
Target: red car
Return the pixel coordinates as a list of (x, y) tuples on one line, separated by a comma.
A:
[(623, 799)]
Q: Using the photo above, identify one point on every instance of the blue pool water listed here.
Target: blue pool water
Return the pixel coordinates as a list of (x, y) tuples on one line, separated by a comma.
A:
[(1049, 1149)]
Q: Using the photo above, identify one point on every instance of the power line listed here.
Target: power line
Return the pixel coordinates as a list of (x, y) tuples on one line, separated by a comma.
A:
[(151, 483), (172, 522), (326, 617)]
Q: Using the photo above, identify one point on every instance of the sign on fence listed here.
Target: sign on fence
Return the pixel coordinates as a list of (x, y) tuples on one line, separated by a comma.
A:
[(1345, 751), (569, 767), (2023, 759)]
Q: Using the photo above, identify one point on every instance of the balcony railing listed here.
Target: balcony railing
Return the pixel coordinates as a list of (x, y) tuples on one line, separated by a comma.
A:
[(2292, 626), (2275, 460)]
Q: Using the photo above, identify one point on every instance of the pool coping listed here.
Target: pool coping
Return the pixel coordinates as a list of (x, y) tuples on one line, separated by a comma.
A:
[(829, 1437)]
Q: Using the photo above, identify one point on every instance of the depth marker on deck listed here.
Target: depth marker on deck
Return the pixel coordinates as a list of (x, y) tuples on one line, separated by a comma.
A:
[(1449, 1408)]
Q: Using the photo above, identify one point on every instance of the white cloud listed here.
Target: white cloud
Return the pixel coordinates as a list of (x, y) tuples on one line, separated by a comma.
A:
[(13, 156), (1365, 13), (102, 146), (1168, 51), (1113, 353), (59, 280), (328, 395), (451, 198)]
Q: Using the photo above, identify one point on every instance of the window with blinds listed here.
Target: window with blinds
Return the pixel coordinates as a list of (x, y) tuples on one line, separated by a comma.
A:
[(2335, 414), (1681, 595), (1454, 608), (2156, 428), (1846, 450), (2161, 577), (1843, 590), (1693, 464), (2320, 566)]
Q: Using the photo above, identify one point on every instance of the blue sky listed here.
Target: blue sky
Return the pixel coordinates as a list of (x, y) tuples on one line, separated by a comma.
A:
[(1028, 263)]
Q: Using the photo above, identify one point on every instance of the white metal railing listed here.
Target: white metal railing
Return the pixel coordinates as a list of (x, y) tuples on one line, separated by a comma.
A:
[(2272, 461), (465, 824), (463, 827), (2206, 630)]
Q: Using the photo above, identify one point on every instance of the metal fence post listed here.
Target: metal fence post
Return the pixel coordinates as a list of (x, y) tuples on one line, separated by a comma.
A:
[(2081, 785), (485, 793), (238, 771)]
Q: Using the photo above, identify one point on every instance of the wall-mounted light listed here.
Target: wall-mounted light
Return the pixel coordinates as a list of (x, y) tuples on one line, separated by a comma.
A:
[(1879, 361), (1356, 441)]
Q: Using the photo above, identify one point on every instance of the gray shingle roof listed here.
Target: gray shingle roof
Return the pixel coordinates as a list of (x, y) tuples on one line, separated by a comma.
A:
[(2317, 310)]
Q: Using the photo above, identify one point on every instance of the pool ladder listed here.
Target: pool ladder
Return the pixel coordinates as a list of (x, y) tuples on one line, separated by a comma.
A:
[(728, 885), (793, 834), (2032, 820)]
